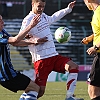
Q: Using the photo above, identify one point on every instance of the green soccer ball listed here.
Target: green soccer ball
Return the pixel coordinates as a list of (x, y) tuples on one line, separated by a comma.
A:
[(62, 34)]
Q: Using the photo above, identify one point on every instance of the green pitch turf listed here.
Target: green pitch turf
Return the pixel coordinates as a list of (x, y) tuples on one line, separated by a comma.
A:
[(54, 91)]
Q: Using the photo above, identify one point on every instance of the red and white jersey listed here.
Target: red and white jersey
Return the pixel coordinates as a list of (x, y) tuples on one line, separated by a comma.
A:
[(42, 29)]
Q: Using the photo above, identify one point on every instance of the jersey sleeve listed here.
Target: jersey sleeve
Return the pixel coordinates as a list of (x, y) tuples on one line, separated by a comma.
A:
[(4, 36), (3, 41), (25, 23), (58, 15)]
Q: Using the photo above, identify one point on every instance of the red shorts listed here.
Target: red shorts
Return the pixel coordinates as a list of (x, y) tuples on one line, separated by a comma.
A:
[(44, 67)]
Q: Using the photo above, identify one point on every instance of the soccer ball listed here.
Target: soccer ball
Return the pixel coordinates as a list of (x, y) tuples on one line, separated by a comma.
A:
[(62, 34)]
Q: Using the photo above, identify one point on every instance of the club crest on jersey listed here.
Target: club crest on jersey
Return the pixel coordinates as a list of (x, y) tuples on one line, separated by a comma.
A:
[(1, 36)]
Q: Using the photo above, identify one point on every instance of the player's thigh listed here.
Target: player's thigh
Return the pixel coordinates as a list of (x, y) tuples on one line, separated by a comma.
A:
[(42, 70), (70, 65), (94, 88), (59, 63)]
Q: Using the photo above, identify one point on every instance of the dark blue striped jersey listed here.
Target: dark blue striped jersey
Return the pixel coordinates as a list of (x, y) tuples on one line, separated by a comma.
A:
[(7, 71)]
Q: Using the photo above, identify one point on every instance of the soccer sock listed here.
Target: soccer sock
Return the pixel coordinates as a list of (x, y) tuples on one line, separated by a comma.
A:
[(32, 95), (97, 98), (22, 97), (71, 82)]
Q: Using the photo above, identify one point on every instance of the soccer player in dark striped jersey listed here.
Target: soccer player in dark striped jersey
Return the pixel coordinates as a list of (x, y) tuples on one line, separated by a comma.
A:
[(10, 78)]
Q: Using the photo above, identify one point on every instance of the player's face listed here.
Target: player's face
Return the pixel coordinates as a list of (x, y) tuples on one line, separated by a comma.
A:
[(38, 7), (88, 4), (1, 23)]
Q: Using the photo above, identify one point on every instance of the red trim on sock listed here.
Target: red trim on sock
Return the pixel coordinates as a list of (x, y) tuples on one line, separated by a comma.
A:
[(74, 71), (69, 83)]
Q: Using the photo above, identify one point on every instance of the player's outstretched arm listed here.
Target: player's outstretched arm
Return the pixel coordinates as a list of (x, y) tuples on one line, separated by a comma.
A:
[(30, 41), (22, 34)]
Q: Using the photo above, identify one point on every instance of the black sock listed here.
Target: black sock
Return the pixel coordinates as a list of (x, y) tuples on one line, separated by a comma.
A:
[(97, 98)]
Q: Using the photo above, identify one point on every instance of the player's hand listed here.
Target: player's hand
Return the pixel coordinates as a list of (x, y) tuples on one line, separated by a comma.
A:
[(41, 40), (37, 41), (91, 51), (71, 4), (28, 36), (35, 20), (85, 41)]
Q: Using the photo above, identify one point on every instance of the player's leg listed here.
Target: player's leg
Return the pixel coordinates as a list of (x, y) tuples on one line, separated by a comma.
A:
[(42, 85), (94, 86), (72, 77), (64, 64), (31, 92), (42, 70), (41, 91), (22, 82), (94, 92), (71, 80)]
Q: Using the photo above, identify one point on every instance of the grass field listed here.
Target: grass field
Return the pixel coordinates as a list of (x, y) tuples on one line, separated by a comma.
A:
[(54, 91)]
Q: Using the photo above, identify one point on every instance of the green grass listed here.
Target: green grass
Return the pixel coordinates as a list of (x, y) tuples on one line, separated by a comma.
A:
[(54, 91)]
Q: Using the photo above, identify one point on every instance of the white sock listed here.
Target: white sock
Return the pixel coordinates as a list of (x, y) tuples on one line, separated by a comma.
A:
[(71, 84), (32, 95)]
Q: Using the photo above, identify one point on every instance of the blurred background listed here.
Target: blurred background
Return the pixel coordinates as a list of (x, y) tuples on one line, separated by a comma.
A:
[(78, 21)]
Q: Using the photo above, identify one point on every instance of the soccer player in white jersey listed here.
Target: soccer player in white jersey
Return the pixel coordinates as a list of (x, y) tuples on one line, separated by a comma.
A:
[(44, 56)]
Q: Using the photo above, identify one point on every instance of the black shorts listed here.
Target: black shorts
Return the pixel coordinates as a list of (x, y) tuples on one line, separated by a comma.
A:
[(20, 82), (95, 71)]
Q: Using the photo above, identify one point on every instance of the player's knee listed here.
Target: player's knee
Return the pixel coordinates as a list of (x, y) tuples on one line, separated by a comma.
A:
[(75, 66), (71, 66)]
